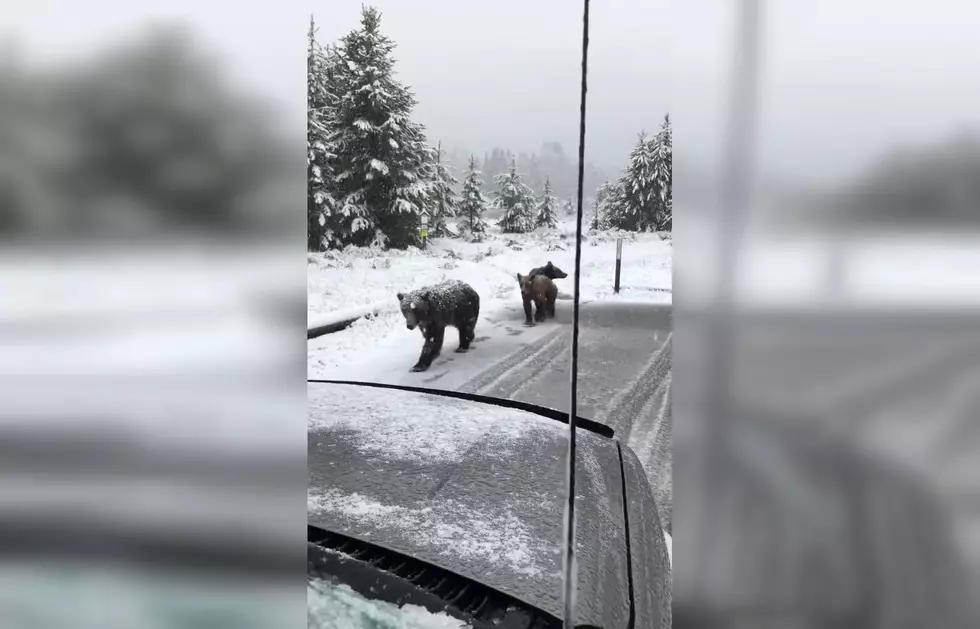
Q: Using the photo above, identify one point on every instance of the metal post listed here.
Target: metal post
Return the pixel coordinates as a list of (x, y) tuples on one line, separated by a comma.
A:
[(619, 262), (442, 206)]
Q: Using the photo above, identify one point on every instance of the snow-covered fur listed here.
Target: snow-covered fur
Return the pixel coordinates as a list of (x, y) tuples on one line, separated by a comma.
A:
[(540, 290), (549, 270), (432, 308)]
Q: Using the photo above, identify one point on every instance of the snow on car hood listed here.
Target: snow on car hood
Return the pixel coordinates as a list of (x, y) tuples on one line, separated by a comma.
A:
[(477, 489), (412, 427)]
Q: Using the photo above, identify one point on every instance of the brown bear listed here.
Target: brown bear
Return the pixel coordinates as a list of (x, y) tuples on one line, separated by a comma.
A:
[(431, 309), (542, 291), (550, 270)]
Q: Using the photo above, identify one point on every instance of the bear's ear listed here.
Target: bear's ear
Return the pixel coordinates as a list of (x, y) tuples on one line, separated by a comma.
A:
[(550, 265), (400, 296), (427, 295), (520, 278)]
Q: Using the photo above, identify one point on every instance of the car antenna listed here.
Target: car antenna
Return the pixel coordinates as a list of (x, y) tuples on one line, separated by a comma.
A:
[(570, 580)]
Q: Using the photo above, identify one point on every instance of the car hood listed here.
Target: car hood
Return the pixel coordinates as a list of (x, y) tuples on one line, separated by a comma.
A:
[(471, 487)]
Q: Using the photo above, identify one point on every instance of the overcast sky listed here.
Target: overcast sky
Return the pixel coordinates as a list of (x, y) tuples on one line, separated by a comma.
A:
[(843, 80), (506, 73)]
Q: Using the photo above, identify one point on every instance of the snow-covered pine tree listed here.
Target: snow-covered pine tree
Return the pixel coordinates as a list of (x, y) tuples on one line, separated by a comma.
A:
[(662, 148), (569, 207), (472, 203), (443, 199), (383, 165), (319, 200), (516, 200), (547, 213), (608, 202), (636, 209)]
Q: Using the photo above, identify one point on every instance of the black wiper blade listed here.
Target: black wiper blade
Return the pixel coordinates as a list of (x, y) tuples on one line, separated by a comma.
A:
[(541, 411)]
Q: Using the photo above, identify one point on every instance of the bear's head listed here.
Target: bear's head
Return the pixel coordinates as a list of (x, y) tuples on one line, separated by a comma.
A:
[(415, 308), (554, 272), (525, 284)]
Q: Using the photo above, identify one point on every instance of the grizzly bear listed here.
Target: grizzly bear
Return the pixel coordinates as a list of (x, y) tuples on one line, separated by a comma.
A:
[(542, 291), (432, 308), (549, 270)]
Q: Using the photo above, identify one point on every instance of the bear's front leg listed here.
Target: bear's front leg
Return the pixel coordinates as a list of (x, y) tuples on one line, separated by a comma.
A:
[(466, 335), (539, 310), (527, 312), (433, 345)]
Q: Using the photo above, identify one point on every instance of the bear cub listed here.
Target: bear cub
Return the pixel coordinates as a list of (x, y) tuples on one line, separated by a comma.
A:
[(432, 308), (549, 270), (541, 290)]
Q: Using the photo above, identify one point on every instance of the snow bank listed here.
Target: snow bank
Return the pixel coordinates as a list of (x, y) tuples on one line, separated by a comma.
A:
[(356, 279), (337, 317)]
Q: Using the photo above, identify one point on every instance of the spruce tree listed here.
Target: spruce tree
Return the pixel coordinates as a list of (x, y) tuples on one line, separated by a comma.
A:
[(443, 200), (662, 150), (320, 200), (516, 200), (472, 203), (384, 167), (608, 204), (635, 208), (547, 215), (569, 207)]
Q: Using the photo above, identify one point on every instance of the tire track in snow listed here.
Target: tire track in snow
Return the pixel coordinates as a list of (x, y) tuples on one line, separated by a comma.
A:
[(650, 439), (641, 416), (491, 380), (625, 408), (521, 378)]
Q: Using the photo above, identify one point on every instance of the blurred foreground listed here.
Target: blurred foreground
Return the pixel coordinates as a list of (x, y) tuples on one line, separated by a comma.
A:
[(152, 430), (827, 341)]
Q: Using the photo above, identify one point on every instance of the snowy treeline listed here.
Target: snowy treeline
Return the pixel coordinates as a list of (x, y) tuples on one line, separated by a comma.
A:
[(550, 164), (640, 200), (373, 173)]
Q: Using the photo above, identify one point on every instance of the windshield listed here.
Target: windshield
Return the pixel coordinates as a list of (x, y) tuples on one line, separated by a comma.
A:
[(332, 605)]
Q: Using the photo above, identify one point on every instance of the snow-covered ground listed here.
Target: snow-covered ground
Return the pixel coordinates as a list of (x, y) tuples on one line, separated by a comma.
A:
[(344, 282)]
